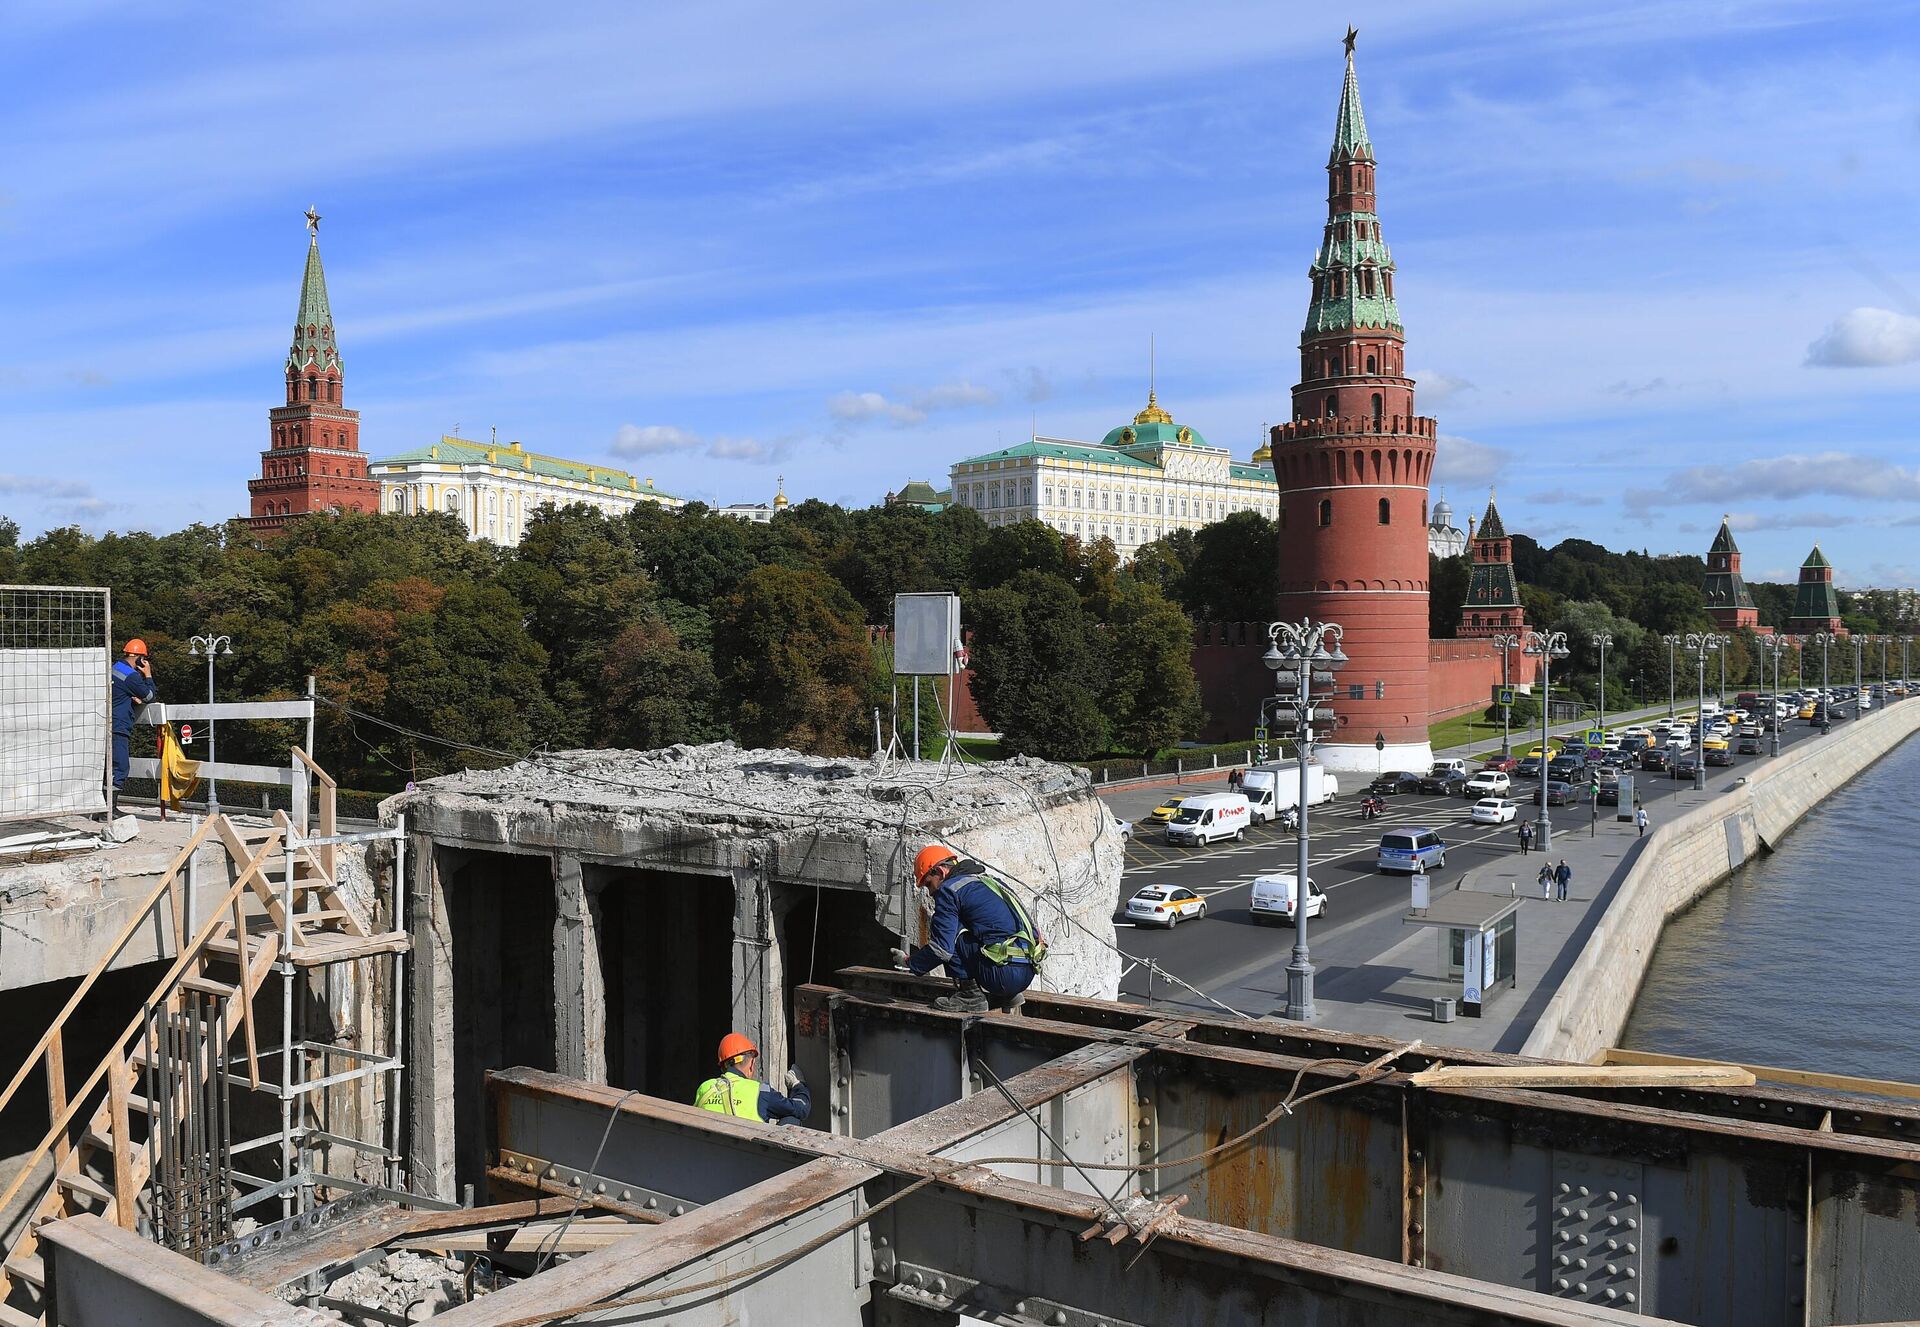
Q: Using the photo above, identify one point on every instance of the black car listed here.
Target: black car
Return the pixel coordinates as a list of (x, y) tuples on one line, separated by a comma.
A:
[(1449, 783), (1564, 769), (1398, 781), (1558, 793), (1748, 746), (1609, 795), (1684, 766), (1655, 758), (1528, 768)]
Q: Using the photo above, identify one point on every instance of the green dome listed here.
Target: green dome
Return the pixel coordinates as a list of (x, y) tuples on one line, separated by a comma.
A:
[(1153, 425)]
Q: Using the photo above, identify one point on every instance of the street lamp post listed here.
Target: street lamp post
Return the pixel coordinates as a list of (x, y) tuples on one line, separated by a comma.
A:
[(1302, 654), (1546, 646), (1774, 646), (211, 645), (1603, 639), (1672, 641), (1826, 640), (1505, 641), (1702, 643)]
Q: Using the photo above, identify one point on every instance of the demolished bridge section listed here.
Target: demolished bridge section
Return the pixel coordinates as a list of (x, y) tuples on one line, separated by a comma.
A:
[(610, 914)]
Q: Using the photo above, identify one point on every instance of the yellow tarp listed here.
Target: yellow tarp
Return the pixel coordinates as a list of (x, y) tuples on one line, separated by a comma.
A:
[(178, 775)]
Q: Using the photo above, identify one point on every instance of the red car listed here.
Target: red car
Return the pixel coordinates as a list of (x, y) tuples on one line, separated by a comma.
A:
[(1501, 764)]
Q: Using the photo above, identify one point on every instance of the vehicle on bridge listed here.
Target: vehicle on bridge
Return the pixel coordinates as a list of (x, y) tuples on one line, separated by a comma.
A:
[(1495, 811), (1748, 746), (1655, 758), (1411, 849), (1528, 768), (1684, 766), (1395, 781), (1557, 792), (1718, 752), (1444, 781), (1273, 898), (1490, 783), (1164, 905), (1273, 790), (1500, 764), (1166, 811)]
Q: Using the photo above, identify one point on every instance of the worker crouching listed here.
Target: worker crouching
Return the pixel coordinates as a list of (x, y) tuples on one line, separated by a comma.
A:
[(738, 1091), (979, 933)]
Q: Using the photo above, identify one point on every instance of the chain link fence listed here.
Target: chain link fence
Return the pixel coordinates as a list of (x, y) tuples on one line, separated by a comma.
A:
[(56, 704)]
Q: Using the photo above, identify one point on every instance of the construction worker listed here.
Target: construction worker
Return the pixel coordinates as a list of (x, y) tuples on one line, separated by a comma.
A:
[(132, 688), (738, 1091), (980, 933)]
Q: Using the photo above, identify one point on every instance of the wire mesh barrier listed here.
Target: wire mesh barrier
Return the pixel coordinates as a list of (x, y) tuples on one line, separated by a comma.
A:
[(55, 701)]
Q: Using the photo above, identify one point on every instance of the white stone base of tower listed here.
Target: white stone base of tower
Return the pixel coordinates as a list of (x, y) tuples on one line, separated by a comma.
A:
[(1346, 760)]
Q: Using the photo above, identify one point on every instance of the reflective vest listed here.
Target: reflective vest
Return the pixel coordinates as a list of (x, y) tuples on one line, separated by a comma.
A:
[(1025, 943), (730, 1094)]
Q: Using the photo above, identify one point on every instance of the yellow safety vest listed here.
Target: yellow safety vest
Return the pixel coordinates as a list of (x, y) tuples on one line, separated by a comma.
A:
[(730, 1094)]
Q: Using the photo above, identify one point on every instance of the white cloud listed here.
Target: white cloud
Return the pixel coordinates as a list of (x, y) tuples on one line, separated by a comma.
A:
[(1788, 520), (1867, 338), (653, 440), (1793, 475), (1435, 389), (666, 439), (1466, 463), (43, 486), (870, 407)]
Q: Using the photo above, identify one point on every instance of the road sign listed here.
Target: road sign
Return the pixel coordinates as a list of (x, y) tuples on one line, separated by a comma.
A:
[(1596, 737), (1504, 695), (1379, 741), (186, 734), (1260, 734)]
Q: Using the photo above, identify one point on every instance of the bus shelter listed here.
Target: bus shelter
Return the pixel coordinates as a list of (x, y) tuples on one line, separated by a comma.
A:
[(1479, 942)]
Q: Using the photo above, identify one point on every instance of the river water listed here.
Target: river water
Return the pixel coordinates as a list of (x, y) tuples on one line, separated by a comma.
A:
[(1808, 957)]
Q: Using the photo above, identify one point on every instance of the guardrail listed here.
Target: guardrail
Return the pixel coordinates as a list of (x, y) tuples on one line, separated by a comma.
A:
[(293, 776)]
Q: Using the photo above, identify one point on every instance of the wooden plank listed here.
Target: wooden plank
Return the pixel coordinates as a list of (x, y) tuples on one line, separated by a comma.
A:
[(1582, 1075), (1767, 1073), (123, 1182), (533, 1239), (57, 1090)]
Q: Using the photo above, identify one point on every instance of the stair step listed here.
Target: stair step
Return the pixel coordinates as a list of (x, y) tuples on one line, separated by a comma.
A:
[(138, 1105), (28, 1267), (207, 986), (12, 1317), (85, 1184), (322, 915)]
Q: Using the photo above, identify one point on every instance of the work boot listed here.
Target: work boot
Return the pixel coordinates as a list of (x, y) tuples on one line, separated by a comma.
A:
[(969, 999)]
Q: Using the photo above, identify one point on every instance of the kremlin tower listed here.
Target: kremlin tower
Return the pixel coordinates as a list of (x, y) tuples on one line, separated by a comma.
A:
[(1492, 605), (1729, 601), (314, 462), (1816, 604), (1353, 465)]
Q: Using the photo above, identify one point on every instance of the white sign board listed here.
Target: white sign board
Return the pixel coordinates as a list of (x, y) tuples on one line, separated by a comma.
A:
[(1422, 892), (926, 634), (1474, 958)]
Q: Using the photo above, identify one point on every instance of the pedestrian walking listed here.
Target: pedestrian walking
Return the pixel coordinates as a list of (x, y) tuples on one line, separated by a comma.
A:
[(1233, 778), (1525, 830), (1546, 880), (1640, 821), (1562, 876)]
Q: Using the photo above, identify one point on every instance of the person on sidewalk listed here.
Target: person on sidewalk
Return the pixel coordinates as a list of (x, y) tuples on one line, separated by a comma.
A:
[(1233, 779), (1546, 880), (1640, 821), (1562, 876), (1525, 832)]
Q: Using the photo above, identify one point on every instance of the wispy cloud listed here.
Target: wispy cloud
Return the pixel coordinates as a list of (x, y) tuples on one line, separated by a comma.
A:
[(643, 440), (1436, 389), (869, 407), (1867, 338), (1465, 463), (1796, 474)]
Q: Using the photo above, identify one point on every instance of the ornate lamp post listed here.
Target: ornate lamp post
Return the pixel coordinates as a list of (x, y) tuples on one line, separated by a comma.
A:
[(1302, 655), (1603, 639), (1673, 641), (1503, 642), (210, 645), (1702, 643), (1546, 646), (1825, 639), (1775, 646)]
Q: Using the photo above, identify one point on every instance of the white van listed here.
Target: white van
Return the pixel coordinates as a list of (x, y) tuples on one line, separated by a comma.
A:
[(1209, 817), (1271, 789), (1273, 899), (1451, 765)]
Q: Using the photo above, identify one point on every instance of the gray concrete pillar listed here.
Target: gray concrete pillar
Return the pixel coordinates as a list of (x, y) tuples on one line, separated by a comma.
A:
[(758, 1009), (579, 988), (430, 1052)]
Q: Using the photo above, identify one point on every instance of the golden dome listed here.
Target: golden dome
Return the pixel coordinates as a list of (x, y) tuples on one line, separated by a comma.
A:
[(1153, 414), (780, 494), (1263, 454)]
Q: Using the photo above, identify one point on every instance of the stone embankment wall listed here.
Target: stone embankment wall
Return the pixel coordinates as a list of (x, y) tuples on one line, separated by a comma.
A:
[(1687, 856)]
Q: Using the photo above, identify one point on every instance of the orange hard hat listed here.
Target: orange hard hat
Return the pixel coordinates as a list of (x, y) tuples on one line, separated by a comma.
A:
[(734, 1045), (934, 854), (136, 646)]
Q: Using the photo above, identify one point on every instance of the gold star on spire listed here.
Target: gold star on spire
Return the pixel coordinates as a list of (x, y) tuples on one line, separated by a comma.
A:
[(313, 222), (1353, 35)]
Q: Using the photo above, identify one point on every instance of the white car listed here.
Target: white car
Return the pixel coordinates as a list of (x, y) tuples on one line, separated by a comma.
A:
[(1126, 829), (1164, 905), (1490, 783), (1272, 899), (1720, 732), (1495, 810)]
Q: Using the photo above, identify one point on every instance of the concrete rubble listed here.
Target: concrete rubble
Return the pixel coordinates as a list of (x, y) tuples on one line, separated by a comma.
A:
[(410, 1286)]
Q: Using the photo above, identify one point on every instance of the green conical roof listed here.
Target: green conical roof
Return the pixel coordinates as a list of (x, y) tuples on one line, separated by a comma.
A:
[(314, 349), (1350, 128), (1817, 559), (1491, 526), (1723, 542)]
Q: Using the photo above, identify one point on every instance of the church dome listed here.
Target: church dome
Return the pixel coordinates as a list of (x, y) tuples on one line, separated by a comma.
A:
[(1150, 426), (1442, 515)]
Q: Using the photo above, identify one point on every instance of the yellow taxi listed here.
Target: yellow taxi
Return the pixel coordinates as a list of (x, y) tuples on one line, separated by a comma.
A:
[(1548, 752), (1806, 710), (1168, 809)]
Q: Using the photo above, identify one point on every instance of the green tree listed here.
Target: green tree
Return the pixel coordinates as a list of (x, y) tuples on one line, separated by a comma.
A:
[(1007, 550), (791, 654), (1036, 662), (1234, 573), (658, 690), (1149, 691), (1446, 593)]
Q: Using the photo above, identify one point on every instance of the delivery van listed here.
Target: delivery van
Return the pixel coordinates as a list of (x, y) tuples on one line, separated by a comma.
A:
[(1210, 817), (1273, 899), (1274, 789)]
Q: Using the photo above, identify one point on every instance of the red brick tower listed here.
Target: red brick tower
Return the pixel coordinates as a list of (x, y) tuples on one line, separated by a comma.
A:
[(1492, 604), (314, 462), (1353, 465), (1729, 601)]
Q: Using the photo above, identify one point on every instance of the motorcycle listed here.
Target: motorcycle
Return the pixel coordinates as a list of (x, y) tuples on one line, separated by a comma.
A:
[(1371, 807), (1290, 820)]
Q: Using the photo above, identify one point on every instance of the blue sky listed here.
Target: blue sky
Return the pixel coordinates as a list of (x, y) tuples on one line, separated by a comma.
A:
[(1657, 261)]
